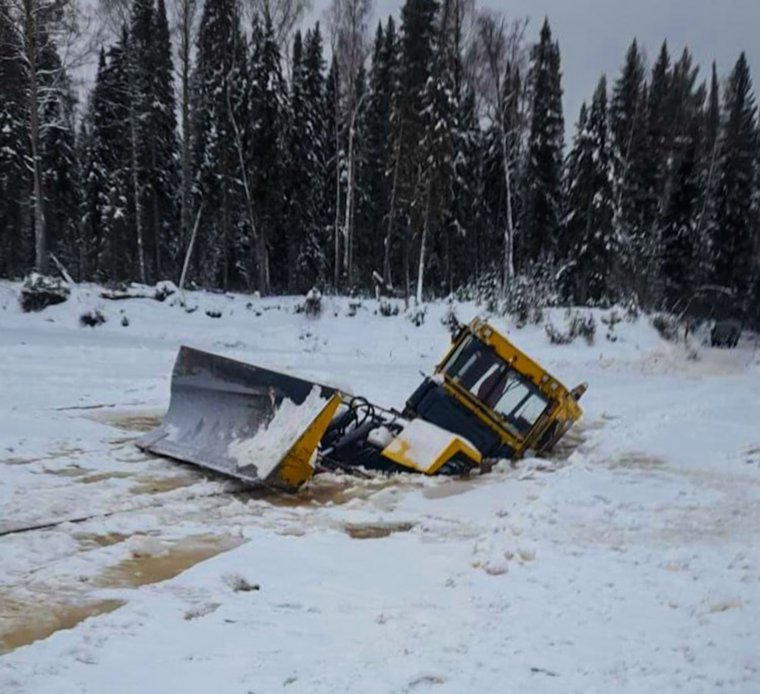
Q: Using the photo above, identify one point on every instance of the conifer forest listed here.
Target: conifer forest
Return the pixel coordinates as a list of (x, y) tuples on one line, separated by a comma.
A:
[(248, 145)]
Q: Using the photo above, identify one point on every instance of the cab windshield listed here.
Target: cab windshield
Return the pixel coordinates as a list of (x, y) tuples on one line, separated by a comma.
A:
[(475, 367)]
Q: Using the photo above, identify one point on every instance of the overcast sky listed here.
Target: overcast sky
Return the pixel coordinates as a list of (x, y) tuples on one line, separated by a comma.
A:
[(594, 34)]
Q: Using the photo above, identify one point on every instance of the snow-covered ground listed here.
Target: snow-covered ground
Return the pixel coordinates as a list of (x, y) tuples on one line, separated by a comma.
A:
[(630, 562)]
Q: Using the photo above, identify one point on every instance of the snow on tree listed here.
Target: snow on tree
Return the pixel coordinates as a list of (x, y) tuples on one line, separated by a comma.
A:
[(735, 213), (543, 171), (588, 239)]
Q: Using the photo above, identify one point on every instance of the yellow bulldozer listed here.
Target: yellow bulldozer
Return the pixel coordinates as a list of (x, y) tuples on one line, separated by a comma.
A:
[(486, 401)]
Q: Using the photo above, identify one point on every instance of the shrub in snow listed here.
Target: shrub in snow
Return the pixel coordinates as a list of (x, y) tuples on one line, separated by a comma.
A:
[(450, 319), (417, 315), (528, 294), (39, 291), (353, 307), (632, 310), (92, 319), (488, 290), (125, 321), (556, 336), (164, 290), (578, 325), (240, 584), (666, 326), (213, 313), (583, 326), (312, 304), (387, 308), (611, 320)]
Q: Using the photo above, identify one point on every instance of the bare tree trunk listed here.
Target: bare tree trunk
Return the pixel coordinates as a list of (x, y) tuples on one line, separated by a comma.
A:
[(348, 224), (136, 191), (187, 12), (348, 251), (392, 211), (259, 238), (406, 260), (40, 221), (509, 231), (336, 272), (423, 243), (189, 252)]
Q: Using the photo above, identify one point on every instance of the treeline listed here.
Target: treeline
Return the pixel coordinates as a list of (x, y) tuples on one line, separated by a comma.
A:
[(427, 159)]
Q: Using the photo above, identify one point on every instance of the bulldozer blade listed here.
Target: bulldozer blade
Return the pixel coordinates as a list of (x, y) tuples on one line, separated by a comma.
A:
[(257, 425)]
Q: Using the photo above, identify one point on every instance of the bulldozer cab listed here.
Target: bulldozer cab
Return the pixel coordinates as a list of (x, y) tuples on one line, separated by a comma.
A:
[(489, 392)]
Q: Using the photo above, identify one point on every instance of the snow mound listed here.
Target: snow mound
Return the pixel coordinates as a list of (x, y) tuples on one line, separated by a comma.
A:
[(273, 440)]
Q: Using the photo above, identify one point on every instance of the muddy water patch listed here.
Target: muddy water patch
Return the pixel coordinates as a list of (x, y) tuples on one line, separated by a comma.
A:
[(63, 452), (374, 531), (159, 485), (139, 422), (158, 561), (332, 490), (103, 476), (93, 540), (68, 471), (24, 621)]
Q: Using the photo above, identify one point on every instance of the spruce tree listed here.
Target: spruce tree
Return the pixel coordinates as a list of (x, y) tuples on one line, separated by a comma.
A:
[(267, 156), (315, 253), (376, 128), (304, 173), (164, 153), (59, 159), (705, 230), (118, 258), (588, 237), (736, 184), (15, 241), (465, 215), (335, 165), (219, 115), (95, 168), (417, 58), (679, 228), (543, 171), (628, 131)]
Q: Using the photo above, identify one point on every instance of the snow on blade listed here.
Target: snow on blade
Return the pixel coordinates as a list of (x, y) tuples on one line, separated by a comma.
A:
[(273, 440)]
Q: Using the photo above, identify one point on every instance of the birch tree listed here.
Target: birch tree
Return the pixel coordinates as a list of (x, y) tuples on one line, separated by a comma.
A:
[(497, 50)]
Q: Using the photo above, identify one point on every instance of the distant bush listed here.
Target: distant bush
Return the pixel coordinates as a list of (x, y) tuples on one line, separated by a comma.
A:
[(40, 291), (417, 315), (353, 307), (312, 303), (450, 319), (578, 325), (388, 308), (583, 326), (92, 319), (164, 290), (666, 325)]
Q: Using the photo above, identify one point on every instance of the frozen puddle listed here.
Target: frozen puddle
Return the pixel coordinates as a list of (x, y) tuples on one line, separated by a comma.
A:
[(25, 621)]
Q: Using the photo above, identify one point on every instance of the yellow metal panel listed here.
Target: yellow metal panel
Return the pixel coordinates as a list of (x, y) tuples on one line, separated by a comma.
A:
[(563, 406), (298, 464), (428, 456)]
